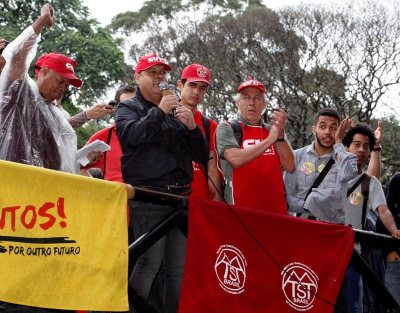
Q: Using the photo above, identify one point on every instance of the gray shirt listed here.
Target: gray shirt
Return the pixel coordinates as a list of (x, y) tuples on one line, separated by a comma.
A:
[(328, 201), (354, 204)]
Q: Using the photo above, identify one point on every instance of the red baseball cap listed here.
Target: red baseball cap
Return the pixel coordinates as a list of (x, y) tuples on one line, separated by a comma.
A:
[(252, 83), (61, 64), (196, 73), (149, 61)]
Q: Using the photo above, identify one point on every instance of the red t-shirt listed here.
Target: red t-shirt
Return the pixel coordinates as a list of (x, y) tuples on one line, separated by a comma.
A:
[(199, 184), (113, 157)]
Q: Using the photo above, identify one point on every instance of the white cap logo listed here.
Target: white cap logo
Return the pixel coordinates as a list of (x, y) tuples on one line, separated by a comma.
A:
[(201, 72), (250, 82), (69, 66), (156, 59)]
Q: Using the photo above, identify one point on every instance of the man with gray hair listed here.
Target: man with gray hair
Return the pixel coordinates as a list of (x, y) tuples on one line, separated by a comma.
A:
[(251, 152)]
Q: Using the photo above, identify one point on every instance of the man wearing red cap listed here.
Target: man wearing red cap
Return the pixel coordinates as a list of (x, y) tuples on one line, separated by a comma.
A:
[(158, 149), (252, 167), (193, 85), (33, 131)]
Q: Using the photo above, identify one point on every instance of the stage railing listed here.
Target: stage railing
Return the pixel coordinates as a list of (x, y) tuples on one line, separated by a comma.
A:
[(179, 219)]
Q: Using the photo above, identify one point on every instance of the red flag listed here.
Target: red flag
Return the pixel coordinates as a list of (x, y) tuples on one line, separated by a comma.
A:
[(227, 271)]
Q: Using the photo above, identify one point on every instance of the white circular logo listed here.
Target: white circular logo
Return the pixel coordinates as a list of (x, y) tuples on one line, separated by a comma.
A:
[(300, 285), (69, 66), (201, 72), (230, 268)]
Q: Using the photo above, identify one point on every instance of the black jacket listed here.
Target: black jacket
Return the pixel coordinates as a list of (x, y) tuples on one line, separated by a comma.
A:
[(157, 148)]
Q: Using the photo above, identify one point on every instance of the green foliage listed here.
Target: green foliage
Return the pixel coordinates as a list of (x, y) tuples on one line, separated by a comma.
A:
[(100, 61), (86, 131)]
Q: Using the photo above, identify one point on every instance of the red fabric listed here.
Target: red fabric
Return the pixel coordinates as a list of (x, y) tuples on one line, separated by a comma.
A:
[(259, 183), (317, 253), (199, 184), (113, 159)]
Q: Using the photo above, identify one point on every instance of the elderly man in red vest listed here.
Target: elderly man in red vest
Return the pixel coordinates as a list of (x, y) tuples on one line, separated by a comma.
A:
[(251, 152)]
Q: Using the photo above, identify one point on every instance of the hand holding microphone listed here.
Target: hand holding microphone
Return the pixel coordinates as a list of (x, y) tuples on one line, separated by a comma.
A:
[(169, 102)]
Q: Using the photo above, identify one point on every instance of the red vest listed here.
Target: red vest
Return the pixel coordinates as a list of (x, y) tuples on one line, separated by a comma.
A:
[(199, 184), (259, 184)]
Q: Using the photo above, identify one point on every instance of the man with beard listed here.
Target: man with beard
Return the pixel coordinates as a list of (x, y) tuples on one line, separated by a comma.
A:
[(327, 201)]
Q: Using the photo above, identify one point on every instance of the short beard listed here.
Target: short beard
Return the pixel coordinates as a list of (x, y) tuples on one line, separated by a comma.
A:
[(320, 143)]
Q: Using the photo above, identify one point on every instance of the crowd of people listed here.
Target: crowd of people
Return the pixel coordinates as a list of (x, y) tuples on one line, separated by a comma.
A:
[(161, 141)]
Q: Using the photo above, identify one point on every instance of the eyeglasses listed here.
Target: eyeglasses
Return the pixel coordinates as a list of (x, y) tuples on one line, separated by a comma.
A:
[(154, 73), (247, 98)]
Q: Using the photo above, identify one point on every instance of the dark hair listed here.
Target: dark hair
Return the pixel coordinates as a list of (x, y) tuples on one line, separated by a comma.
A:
[(359, 128), (326, 112), (124, 89)]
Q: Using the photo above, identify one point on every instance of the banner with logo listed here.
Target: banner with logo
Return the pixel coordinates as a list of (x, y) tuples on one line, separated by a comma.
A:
[(63, 240), (298, 267)]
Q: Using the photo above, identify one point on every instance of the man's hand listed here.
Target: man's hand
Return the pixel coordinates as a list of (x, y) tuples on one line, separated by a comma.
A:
[(47, 14), (343, 127), (396, 234), (94, 156), (378, 134), (168, 103), (279, 118), (2, 44), (393, 256), (185, 116), (99, 110)]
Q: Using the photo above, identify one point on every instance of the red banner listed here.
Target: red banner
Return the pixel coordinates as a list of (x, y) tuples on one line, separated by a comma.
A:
[(227, 270)]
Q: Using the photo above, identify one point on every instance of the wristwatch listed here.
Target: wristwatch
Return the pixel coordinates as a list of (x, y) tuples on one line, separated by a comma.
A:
[(377, 149), (284, 138)]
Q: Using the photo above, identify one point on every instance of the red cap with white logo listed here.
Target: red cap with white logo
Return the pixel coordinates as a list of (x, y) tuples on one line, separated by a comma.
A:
[(252, 83), (149, 61), (196, 73), (60, 63)]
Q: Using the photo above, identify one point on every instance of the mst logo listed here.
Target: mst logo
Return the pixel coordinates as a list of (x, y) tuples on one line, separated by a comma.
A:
[(201, 72), (69, 66), (230, 268), (299, 297)]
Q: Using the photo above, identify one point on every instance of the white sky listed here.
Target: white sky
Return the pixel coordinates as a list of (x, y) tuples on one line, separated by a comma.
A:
[(104, 11)]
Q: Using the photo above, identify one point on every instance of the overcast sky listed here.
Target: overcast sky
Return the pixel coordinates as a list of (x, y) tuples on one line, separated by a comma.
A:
[(104, 11)]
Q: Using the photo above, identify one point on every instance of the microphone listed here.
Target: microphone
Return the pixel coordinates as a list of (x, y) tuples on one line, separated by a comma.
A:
[(168, 90)]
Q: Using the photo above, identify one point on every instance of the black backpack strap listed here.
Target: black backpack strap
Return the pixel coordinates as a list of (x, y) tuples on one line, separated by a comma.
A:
[(365, 192), (321, 176), (206, 126), (105, 153), (350, 191), (237, 130)]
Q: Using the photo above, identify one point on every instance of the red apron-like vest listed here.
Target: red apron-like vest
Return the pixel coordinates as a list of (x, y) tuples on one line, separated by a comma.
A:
[(259, 184)]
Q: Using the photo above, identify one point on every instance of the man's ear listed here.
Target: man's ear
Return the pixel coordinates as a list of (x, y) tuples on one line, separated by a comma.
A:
[(346, 148), (180, 85), (137, 78), (44, 70), (314, 130)]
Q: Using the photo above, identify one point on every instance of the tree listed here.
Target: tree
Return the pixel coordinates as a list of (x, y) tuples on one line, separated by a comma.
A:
[(100, 61)]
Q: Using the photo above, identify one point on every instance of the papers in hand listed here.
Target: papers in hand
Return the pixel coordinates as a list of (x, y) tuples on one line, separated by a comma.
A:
[(95, 145)]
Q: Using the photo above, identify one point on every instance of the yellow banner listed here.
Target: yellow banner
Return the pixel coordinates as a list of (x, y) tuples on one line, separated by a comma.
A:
[(63, 240)]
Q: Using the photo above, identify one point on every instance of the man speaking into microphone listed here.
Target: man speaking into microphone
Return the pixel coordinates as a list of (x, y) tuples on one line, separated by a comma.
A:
[(157, 154)]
